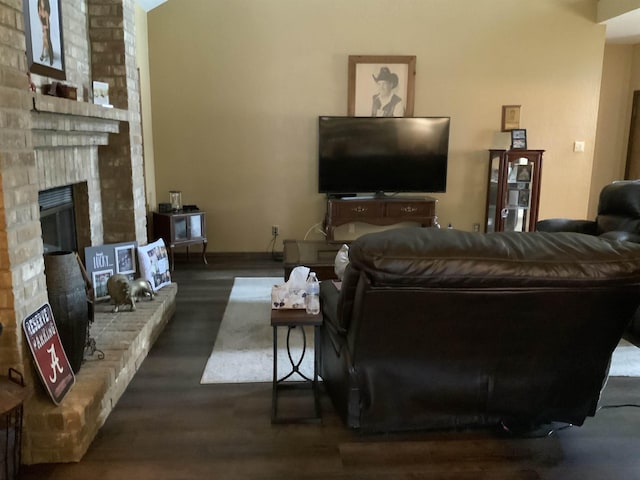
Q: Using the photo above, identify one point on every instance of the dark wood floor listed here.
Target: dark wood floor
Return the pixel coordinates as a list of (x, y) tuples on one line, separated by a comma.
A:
[(168, 426)]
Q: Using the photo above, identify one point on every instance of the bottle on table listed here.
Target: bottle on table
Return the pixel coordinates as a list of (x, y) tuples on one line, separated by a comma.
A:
[(312, 298)]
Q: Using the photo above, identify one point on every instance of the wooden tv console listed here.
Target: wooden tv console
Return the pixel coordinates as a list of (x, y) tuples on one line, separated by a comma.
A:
[(379, 211)]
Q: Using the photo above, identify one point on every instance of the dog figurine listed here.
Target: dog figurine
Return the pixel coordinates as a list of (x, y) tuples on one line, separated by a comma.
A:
[(124, 292)]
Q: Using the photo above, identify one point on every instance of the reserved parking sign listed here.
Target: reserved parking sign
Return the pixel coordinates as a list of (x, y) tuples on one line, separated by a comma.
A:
[(49, 355)]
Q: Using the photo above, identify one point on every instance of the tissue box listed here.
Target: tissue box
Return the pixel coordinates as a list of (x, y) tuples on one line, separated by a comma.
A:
[(284, 298), (291, 293)]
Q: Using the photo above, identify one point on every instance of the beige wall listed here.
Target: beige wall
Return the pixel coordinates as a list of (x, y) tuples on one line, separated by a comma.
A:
[(635, 69), (620, 78), (613, 120), (237, 88), (608, 9)]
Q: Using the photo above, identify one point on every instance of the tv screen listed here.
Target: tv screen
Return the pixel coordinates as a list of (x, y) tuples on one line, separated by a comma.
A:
[(382, 154)]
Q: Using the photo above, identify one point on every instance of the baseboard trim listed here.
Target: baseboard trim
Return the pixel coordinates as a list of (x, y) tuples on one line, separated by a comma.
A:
[(259, 256)]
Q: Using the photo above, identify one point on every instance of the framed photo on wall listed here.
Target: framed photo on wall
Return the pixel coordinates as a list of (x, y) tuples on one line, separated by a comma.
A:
[(43, 30), (510, 117), (381, 85)]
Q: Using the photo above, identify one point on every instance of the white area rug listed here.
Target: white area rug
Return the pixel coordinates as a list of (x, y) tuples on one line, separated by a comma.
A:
[(625, 361), (243, 351)]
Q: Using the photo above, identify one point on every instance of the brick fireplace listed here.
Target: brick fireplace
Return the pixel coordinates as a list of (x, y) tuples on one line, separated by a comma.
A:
[(48, 142), (66, 154)]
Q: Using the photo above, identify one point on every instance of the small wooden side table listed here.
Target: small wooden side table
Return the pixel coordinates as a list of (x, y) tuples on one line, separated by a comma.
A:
[(12, 395), (181, 229), (296, 318)]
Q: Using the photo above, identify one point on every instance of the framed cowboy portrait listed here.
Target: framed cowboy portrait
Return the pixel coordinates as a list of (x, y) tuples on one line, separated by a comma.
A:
[(43, 31), (381, 85)]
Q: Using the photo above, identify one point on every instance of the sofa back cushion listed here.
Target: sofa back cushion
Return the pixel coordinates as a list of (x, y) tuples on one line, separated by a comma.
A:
[(450, 259), (619, 207)]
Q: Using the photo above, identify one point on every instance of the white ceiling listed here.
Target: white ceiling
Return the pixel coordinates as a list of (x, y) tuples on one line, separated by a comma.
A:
[(149, 4), (624, 28)]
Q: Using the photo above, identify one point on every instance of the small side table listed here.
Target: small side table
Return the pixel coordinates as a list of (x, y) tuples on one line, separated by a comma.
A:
[(12, 396), (179, 229), (296, 318)]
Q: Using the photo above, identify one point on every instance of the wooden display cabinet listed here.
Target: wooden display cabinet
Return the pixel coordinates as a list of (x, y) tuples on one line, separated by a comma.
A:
[(513, 191), (181, 229)]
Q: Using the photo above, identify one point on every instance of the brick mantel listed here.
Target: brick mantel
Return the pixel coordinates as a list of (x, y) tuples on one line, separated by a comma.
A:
[(63, 106), (53, 129)]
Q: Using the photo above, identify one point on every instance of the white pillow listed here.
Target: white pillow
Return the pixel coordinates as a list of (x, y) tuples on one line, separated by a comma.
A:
[(341, 261), (154, 264)]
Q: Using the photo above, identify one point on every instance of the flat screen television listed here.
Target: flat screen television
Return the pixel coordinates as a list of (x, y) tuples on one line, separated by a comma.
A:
[(382, 154)]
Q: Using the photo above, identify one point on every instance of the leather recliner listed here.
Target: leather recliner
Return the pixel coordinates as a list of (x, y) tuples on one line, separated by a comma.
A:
[(618, 215), (440, 329)]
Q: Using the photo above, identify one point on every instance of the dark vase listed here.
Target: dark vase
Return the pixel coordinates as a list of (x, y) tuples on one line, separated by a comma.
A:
[(68, 299)]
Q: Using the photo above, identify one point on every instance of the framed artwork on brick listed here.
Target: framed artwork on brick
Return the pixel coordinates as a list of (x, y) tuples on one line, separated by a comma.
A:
[(43, 31)]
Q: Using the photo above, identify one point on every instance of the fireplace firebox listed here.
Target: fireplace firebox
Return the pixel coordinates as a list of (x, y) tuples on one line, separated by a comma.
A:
[(57, 219)]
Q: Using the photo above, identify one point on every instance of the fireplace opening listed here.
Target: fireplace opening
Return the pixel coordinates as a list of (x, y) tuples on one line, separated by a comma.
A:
[(57, 219)]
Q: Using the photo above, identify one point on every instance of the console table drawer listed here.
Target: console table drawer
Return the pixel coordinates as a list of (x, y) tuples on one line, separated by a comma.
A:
[(385, 211), (356, 209), (410, 209)]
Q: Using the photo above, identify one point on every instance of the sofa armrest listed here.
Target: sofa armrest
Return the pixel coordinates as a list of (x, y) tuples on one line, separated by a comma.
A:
[(329, 298), (567, 225), (621, 236)]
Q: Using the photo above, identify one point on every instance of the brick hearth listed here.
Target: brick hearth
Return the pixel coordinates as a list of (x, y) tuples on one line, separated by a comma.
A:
[(63, 433)]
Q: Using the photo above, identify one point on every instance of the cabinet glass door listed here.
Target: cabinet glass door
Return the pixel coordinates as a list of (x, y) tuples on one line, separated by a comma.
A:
[(195, 226), (180, 228), (517, 206), (494, 187)]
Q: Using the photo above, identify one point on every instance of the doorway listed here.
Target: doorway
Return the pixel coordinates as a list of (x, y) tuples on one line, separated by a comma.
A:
[(632, 169)]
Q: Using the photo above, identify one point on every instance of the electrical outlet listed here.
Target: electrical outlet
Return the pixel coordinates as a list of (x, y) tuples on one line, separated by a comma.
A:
[(476, 227), (275, 230)]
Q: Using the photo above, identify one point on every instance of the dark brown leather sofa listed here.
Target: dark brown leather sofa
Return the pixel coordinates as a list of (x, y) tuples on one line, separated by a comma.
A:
[(618, 215), (439, 329)]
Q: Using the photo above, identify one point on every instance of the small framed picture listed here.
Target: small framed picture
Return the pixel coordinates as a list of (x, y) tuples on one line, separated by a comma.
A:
[(126, 259), (101, 93), (100, 278), (523, 198), (510, 117), (524, 173), (518, 138)]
